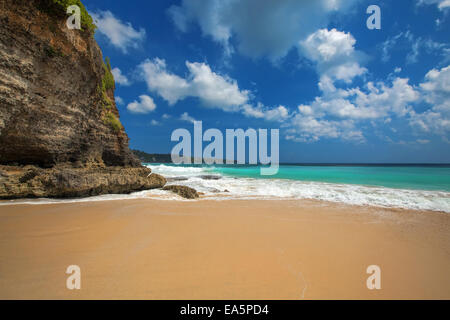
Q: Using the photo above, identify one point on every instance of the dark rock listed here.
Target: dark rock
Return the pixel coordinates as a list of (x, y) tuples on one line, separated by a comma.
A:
[(210, 177), (172, 179), (185, 192), (28, 176), (67, 182)]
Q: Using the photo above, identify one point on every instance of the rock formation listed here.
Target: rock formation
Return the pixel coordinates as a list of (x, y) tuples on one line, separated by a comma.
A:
[(57, 182), (60, 134), (183, 191)]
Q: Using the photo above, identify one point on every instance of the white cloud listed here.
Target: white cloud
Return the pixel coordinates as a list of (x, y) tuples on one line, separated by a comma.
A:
[(436, 92), (442, 4), (430, 122), (336, 112), (186, 117), (120, 78), (213, 90), (383, 100), (418, 46), (334, 53), (328, 45), (374, 101), (262, 28), (119, 101), (121, 35), (390, 43), (155, 122), (279, 113), (309, 129), (145, 105), (169, 86), (437, 86)]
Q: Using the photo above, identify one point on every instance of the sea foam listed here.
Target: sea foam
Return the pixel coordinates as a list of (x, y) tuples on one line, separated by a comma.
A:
[(216, 186), (228, 187)]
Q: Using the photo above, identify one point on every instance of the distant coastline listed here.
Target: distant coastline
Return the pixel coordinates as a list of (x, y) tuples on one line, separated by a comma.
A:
[(166, 158), (152, 157)]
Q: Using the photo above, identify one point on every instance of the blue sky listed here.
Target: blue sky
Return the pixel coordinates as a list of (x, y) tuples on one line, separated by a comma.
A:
[(337, 91)]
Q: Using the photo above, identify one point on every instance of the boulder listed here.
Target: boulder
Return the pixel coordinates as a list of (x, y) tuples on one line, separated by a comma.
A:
[(183, 191)]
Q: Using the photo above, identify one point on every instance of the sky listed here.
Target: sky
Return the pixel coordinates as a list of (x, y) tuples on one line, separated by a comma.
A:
[(337, 90)]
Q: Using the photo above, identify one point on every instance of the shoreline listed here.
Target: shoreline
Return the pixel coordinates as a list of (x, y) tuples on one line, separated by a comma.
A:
[(169, 197), (234, 249)]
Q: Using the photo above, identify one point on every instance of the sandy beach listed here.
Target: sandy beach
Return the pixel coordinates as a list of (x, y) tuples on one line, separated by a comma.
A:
[(155, 249)]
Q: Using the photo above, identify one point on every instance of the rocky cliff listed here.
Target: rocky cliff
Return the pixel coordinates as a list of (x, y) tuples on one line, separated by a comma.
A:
[(59, 125)]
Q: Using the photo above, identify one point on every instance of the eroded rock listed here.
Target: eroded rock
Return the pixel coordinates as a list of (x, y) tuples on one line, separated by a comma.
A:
[(68, 182), (183, 191)]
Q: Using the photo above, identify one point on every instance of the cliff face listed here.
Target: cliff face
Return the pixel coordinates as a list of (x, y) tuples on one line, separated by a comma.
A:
[(57, 109), (53, 105)]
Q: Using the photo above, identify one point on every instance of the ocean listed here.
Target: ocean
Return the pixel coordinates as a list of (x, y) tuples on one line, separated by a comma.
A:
[(420, 187)]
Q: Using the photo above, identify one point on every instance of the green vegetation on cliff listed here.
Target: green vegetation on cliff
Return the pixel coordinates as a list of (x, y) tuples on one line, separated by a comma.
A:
[(59, 7), (108, 81), (112, 120)]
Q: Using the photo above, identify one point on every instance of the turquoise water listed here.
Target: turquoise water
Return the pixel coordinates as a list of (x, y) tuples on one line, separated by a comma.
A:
[(402, 177), (425, 187)]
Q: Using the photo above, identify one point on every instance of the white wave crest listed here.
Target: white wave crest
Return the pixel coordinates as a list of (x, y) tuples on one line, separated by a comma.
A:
[(251, 188), (176, 171)]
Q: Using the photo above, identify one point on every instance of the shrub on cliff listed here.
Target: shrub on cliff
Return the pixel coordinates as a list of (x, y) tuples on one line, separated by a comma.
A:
[(108, 83), (59, 7), (108, 79), (112, 120)]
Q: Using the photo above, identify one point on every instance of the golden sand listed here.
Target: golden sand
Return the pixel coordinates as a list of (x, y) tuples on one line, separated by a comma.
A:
[(153, 249)]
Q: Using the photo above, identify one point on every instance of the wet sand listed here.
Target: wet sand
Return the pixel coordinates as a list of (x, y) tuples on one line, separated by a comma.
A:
[(154, 249)]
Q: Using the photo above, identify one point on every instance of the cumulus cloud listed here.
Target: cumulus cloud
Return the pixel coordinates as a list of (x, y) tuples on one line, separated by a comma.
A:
[(336, 112), (122, 35), (374, 101), (212, 89), (309, 129), (382, 99), (437, 86), (334, 53), (262, 28), (120, 78), (145, 105), (436, 92), (279, 113)]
